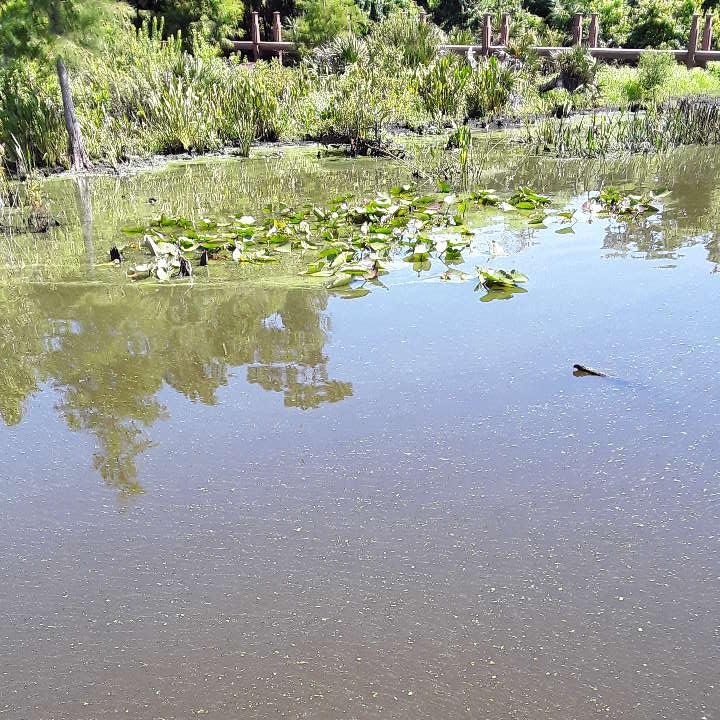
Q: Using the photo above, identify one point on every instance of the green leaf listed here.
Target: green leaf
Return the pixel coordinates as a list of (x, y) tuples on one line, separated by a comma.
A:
[(340, 280)]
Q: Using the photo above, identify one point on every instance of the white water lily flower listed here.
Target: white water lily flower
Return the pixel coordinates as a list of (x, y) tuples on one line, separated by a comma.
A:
[(246, 220)]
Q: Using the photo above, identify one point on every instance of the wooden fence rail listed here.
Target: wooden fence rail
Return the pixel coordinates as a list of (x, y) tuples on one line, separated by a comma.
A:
[(690, 56)]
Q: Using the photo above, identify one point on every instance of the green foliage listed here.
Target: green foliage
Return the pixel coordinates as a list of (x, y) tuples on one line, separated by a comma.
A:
[(613, 15), (418, 43), (490, 278), (690, 121), (489, 88), (443, 87), (210, 19), (614, 19), (624, 86), (31, 119), (364, 101), (378, 10), (614, 201), (661, 23), (525, 198), (321, 21), (653, 72), (30, 28), (350, 243), (577, 68), (335, 56), (140, 91)]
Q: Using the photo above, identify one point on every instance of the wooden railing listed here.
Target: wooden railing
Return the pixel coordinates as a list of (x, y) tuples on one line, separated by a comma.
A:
[(691, 56)]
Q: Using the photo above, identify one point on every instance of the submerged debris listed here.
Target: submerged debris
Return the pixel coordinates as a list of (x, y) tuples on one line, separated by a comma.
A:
[(185, 267)]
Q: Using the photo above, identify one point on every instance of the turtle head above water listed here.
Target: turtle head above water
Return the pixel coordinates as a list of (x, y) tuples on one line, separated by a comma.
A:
[(583, 370)]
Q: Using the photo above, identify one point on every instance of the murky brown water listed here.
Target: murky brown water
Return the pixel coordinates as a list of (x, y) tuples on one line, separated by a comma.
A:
[(257, 500)]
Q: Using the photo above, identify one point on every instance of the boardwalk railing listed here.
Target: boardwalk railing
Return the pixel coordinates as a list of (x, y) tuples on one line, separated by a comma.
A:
[(691, 56)]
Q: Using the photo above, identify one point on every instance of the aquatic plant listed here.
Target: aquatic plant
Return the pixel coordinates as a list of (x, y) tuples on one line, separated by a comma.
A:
[(499, 284), (350, 245), (489, 88), (690, 121), (525, 198), (614, 201), (443, 87)]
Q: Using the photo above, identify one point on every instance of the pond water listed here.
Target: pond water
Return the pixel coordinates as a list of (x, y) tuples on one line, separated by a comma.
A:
[(251, 498)]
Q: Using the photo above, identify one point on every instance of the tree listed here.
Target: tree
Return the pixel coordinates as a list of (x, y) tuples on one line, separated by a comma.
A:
[(43, 29)]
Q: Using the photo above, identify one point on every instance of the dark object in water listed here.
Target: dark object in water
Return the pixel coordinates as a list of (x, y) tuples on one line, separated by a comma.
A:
[(582, 370), (203, 258), (185, 268), (40, 221), (115, 255), (152, 200)]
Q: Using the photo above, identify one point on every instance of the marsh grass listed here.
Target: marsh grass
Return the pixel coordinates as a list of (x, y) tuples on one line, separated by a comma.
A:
[(141, 95), (690, 121)]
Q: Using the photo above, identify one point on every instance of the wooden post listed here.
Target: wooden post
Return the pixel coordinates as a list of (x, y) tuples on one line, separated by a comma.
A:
[(423, 17), (692, 42), (277, 33), (255, 34), (577, 29), (486, 34), (593, 31), (505, 30), (707, 32)]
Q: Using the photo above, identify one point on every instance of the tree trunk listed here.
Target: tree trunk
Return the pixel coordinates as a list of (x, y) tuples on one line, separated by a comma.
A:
[(78, 156)]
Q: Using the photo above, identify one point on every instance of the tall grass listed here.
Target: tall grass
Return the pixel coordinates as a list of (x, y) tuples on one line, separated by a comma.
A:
[(143, 95), (655, 80), (689, 121), (443, 87)]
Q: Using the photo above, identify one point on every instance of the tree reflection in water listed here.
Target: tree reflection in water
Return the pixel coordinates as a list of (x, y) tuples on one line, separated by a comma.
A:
[(109, 351)]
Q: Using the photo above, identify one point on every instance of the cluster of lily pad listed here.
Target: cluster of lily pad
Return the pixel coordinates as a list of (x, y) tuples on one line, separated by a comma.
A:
[(614, 201), (351, 245)]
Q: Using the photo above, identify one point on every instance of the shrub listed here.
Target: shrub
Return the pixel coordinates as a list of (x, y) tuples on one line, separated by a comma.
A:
[(661, 23), (443, 87), (417, 43), (489, 88), (577, 68), (333, 57), (321, 21), (31, 117), (654, 70)]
